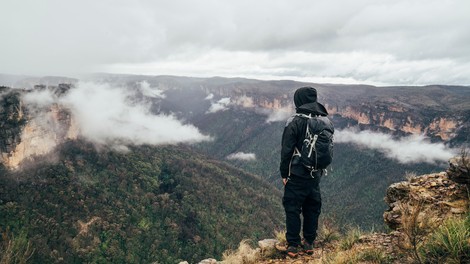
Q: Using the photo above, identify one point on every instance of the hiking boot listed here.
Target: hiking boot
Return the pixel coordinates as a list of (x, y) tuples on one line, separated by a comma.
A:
[(293, 251), (308, 248)]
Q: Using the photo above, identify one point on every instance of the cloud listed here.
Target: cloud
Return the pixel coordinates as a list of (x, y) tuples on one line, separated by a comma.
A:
[(412, 149), (242, 156), (40, 98), (380, 41), (279, 115), (220, 105), (150, 92), (273, 115), (351, 67), (106, 115), (209, 96)]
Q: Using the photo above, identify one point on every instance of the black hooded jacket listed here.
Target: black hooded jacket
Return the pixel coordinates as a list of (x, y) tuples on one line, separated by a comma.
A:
[(305, 100)]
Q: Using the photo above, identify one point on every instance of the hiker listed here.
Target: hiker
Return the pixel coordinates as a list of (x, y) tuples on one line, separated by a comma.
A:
[(301, 184)]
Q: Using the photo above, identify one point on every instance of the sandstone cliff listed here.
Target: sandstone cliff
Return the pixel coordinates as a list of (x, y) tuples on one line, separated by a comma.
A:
[(28, 132), (437, 112)]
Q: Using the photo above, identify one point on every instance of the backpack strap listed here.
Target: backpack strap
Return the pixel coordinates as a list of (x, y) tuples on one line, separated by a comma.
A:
[(303, 115)]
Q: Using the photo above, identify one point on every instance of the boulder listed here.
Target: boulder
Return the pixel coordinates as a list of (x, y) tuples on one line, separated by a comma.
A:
[(459, 170), (208, 261)]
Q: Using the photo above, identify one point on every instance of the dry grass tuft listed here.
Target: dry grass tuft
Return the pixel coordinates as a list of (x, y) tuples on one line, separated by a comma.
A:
[(280, 235), (351, 237), (410, 176), (329, 231), (245, 254)]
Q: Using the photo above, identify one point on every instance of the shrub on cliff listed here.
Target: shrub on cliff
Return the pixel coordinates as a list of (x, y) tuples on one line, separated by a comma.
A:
[(450, 243)]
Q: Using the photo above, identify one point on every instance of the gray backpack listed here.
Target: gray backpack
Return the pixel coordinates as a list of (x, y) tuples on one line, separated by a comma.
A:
[(317, 147)]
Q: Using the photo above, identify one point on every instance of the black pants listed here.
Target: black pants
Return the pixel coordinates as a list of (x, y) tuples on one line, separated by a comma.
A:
[(302, 196)]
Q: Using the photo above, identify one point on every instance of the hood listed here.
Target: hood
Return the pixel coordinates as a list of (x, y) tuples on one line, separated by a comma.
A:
[(305, 100)]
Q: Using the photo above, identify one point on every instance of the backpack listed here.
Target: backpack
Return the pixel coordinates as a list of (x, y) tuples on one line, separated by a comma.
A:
[(317, 147)]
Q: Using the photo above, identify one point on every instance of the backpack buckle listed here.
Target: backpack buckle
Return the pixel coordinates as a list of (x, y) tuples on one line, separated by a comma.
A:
[(311, 173)]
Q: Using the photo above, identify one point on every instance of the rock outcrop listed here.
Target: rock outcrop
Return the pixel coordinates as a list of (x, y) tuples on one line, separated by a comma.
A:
[(436, 195), (30, 132), (459, 170)]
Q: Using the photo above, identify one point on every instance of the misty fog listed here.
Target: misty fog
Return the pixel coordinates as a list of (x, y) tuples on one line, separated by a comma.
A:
[(107, 115), (411, 149)]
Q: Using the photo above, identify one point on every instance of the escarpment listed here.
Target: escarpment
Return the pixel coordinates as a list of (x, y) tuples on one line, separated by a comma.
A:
[(438, 112), (31, 131), (398, 119)]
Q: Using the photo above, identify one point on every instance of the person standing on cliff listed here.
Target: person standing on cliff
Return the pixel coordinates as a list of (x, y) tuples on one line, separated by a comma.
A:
[(301, 185)]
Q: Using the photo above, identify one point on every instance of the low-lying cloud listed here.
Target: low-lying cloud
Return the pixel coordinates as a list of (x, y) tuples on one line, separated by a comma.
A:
[(106, 115), (280, 115), (40, 98), (209, 96), (242, 156), (220, 105), (412, 149), (273, 115), (149, 91)]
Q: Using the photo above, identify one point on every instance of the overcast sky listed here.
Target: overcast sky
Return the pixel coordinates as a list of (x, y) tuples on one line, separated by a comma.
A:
[(337, 41)]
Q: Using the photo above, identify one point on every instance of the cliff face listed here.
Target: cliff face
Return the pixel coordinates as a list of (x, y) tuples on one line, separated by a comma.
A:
[(26, 133), (398, 118), (380, 113), (439, 112)]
